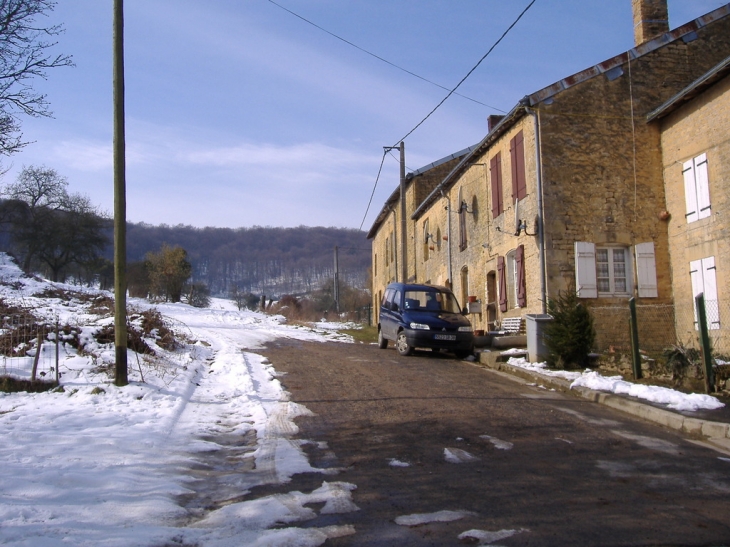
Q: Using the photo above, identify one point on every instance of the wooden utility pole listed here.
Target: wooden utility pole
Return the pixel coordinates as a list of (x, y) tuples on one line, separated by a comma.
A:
[(120, 203), (403, 221), (337, 281)]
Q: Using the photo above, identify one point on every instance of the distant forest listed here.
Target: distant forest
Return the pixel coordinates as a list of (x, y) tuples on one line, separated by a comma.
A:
[(260, 260)]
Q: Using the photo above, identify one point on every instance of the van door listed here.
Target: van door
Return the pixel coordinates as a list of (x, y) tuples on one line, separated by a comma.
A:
[(389, 313), (385, 318)]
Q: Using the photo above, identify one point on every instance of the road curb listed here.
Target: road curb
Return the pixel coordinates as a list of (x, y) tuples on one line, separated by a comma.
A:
[(690, 426)]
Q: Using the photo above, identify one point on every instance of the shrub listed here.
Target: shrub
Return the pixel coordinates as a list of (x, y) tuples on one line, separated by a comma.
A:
[(570, 335)]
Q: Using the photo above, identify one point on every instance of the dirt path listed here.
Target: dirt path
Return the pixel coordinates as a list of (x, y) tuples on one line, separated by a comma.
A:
[(537, 467)]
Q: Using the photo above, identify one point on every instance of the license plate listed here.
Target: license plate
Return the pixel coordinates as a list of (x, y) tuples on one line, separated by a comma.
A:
[(451, 337)]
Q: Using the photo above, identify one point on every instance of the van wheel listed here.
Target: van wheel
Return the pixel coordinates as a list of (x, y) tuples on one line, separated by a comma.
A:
[(401, 344), (382, 342)]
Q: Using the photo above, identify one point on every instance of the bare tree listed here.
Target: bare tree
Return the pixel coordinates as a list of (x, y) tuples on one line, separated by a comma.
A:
[(51, 225), (35, 196), (72, 234), (25, 54)]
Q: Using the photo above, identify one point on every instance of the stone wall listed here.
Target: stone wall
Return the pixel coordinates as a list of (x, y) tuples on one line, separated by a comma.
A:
[(700, 127)]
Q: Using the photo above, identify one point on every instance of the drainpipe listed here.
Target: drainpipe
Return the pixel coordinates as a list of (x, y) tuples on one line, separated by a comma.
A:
[(540, 210), (448, 235)]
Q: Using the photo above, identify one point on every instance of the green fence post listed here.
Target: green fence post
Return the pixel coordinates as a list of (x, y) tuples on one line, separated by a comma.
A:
[(705, 347), (635, 355)]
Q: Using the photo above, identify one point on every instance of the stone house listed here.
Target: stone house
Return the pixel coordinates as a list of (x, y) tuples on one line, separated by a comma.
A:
[(391, 260), (566, 191), (695, 143)]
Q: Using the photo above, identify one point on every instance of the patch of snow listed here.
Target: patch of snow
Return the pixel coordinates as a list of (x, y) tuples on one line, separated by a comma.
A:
[(485, 537), (425, 518), (456, 455), (616, 384), (501, 445)]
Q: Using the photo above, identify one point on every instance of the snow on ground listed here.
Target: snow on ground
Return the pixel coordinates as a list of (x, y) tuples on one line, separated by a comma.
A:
[(99, 465), (616, 384)]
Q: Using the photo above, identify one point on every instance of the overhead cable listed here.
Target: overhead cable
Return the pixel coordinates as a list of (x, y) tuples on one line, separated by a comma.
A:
[(380, 58), (382, 161), (468, 73)]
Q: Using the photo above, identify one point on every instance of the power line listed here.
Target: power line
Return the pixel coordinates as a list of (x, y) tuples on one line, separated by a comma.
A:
[(382, 161), (380, 58), (442, 101), (468, 73)]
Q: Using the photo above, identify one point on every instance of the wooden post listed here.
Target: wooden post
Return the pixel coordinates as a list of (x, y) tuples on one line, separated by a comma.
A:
[(58, 374), (635, 355), (120, 203), (705, 345)]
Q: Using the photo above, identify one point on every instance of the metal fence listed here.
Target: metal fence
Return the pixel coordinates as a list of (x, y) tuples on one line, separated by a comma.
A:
[(668, 336), (661, 327), (29, 349)]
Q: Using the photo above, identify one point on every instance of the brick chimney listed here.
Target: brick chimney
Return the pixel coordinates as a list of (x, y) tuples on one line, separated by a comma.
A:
[(493, 120), (651, 19)]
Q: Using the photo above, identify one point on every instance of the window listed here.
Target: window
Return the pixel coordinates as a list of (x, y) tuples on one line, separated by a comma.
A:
[(502, 274), (696, 188), (387, 251), (464, 285), (495, 176), (702, 274), (387, 299), (511, 282), (611, 271), (517, 157), (462, 222), (514, 280), (608, 271), (375, 265), (426, 238)]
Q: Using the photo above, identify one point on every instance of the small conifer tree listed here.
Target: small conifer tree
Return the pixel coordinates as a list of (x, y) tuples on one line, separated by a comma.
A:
[(570, 335)]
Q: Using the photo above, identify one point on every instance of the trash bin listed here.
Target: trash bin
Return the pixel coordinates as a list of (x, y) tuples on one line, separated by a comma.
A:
[(535, 326)]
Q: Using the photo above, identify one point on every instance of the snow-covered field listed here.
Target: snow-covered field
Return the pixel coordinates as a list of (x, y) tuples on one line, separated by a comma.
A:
[(98, 465)]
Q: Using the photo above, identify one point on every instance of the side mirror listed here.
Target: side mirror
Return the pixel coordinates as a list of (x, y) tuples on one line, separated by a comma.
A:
[(465, 311)]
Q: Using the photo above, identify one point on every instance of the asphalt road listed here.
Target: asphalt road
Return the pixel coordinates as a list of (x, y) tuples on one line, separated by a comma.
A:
[(547, 468)]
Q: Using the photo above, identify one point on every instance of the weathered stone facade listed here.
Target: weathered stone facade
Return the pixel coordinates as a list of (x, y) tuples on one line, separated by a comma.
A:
[(699, 129), (593, 183)]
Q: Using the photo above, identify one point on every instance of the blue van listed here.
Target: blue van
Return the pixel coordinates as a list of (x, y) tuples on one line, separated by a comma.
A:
[(423, 316)]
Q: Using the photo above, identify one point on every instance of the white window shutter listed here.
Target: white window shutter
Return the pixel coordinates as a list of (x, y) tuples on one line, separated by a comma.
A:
[(690, 191), (646, 270), (711, 304), (586, 285), (704, 280), (703, 186), (695, 275)]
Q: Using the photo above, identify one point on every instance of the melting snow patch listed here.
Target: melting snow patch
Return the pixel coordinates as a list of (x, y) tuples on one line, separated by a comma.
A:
[(484, 537), (397, 463), (424, 518), (502, 445), (616, 384), (670, 397), (456, 455)]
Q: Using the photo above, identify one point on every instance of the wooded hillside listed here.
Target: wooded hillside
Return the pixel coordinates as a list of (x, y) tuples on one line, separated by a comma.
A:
[(261, 260)]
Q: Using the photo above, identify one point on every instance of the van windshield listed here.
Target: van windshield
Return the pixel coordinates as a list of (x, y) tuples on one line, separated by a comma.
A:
[(431, 300)]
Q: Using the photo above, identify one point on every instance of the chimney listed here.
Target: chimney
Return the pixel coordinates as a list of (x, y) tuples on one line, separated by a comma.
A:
[(651, 19), (493, 120)]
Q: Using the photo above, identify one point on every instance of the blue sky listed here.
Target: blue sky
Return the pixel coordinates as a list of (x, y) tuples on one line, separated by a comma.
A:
[(240, 114)]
